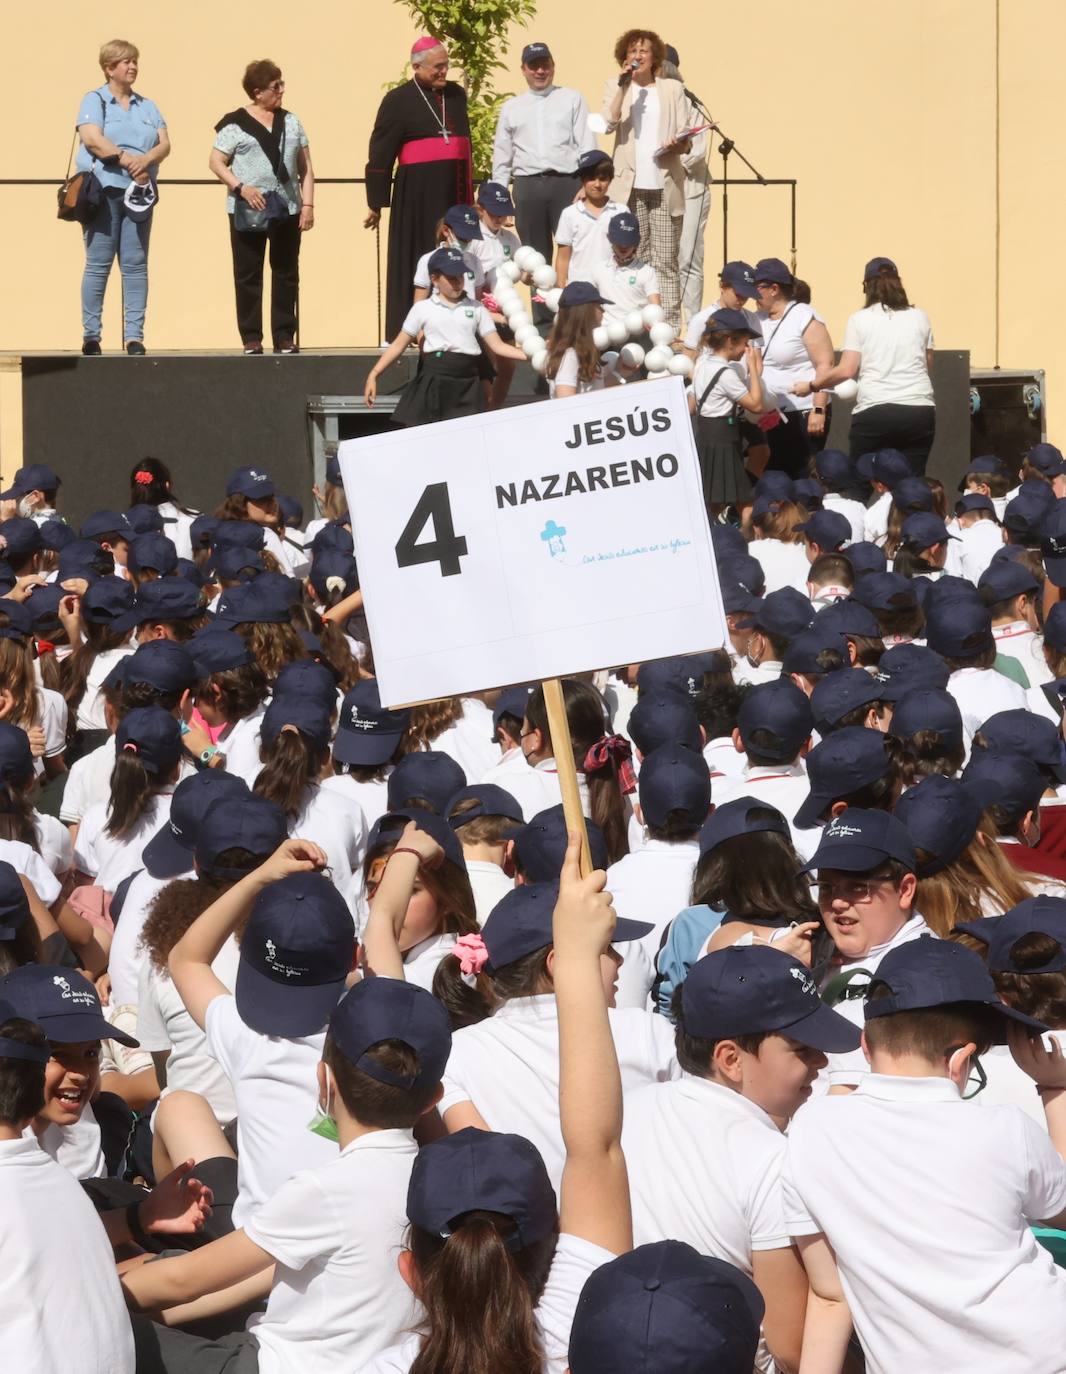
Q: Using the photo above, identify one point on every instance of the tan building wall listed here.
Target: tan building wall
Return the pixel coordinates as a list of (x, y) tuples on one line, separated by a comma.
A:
[(929, 130)]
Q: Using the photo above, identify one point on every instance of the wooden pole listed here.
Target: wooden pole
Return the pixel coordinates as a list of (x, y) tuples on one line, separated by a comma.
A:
[(563, 749)]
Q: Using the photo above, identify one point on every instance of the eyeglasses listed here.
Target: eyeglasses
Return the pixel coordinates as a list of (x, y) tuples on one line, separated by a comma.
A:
[(853, 891), (977, 1080)]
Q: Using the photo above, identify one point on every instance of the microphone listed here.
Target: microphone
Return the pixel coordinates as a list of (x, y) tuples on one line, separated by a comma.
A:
[(697, 102), (627, 75)]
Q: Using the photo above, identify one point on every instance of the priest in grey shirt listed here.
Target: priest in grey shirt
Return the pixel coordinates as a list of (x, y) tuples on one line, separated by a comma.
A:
[(539, 138)]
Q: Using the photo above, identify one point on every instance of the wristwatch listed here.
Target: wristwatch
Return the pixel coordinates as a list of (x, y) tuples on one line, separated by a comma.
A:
[(238, 188), (819, 410), (209, 753)]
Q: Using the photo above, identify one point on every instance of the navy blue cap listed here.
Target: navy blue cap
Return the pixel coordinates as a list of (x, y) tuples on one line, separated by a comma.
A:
[(908, 667), (595, 157), (848, 617), (292, 512), (244, 534), (1052, 542), (296, 952), (1012, 783), (16, 757), (428, 776), (235, 563), (7, 575), (162, 664), (1026, 734), (473, 1171), (103, 522), (153, 736), (56, 534), (975, 500), (802, 654), (772, 270), (581, 293), (834, 468), (866, 558), (333, 471), (464, 223), (334, 535), (82, 558), (167, 598), (782, 712), (1024, 516), (840, 692), (763, 503), (187, 569), (736, 598), (540, 846), (1055, 627), (250, 482), (19, 619), (487, 800), (1036, 915), (310, 718), (879, 267), (743, 568), (674, 778), (677, 676), (512, 701), (203, 529), (809, 493), (145, 519), (774, 483), (858, 841), (43, 605), (1048, 459), (308, 680), (521, 923), (661, 718), (942, 815), (932, 709), (958, 628), (924, 974), (107, 600), (32, 477), (496, 199), (737, 817), (152, 551), (736, 321), (447, 262), (169, 852), (263, 601), (216, 650), (62, 1002), (535, 52), (338, 569), (728, 542), (744, 990), (828, 529), (624, 230), (911, 495), (246, 822), (886, 591), (388, 829), (784, 613), (839, 765), (984, 465), (923, 530), (378, 1009), (886, 466), (1004, 579), (14, 904), (741, 277), (367, 733), (666, 1307), (20, 537)]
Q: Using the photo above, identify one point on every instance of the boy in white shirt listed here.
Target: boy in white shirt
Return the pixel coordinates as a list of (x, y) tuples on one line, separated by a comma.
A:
[(751, 1036), (626, 282), (957, 1280), (959, 628), (582, 246), (1010, 591), (486, 819), (980, 534)]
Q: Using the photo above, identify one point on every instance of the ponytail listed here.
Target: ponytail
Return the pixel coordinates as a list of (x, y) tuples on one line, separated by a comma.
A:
[(466, 1005), (291, 763), (479, 1299), (16, 815), (131, 791), (78, 664)]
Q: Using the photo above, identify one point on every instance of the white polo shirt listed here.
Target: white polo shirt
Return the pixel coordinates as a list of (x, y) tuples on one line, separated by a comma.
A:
[(508, 1068), (372, 797), (91, 707), (978, 545), (336, 1232), (127, 957), (107, 859), (491, 250), (240, 744), (275, 1087), (982, 692), (724, 762), (473, 276), (784, 786), (1018, 641), (585, 234), (490, 884), (339, 826), (877, 518), (928, 1205), (854, 512), (535, 789), (449, 328), (653, 884), (88, 782), (471, 740), (783, 564), (29, 863), (628, 286), (62, 1307)]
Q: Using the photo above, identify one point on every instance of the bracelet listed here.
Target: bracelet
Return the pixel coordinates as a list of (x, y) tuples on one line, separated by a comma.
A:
[(136, 1230), (238, 188), (406, 849)]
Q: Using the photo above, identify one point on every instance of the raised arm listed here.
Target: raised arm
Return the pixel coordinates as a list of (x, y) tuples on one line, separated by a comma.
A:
[(595, 1188), (388, 906)]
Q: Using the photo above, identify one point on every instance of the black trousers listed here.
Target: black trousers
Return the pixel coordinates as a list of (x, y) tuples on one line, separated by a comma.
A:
[(791, 447), (910, 429), (249, 251), (538, 203)]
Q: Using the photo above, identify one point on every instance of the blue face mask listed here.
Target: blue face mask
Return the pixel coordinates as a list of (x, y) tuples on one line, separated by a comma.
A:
[(323, 1122)]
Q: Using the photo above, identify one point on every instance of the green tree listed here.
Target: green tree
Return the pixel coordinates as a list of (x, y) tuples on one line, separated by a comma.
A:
[(475, 32)]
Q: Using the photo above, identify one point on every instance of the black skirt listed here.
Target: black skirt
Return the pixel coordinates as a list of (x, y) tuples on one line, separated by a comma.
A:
[(725, 483), (445, 386)]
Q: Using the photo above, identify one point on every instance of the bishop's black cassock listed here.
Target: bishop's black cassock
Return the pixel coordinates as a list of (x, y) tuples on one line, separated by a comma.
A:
[(434, 173)]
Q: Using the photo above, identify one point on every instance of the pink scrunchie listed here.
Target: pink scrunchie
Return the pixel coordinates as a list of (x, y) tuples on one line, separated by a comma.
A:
[(472, 955)]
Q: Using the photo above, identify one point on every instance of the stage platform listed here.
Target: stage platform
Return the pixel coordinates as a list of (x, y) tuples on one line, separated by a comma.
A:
[(207, 413)]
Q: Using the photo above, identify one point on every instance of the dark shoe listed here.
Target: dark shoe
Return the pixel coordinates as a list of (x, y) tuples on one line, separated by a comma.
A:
[(91, 348), (286, 348), (135, 348), (252, 349)]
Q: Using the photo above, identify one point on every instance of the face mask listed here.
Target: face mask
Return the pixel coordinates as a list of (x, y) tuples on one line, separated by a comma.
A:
[(323, 1122)]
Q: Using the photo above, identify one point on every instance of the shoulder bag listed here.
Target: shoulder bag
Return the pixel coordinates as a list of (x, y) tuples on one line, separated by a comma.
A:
[(81, 195)]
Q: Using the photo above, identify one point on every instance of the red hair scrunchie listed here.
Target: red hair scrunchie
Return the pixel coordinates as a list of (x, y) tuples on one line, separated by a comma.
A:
[(142, 478), (617, 750)]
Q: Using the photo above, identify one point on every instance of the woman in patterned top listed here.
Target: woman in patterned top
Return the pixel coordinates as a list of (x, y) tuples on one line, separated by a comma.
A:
[(261, 155)]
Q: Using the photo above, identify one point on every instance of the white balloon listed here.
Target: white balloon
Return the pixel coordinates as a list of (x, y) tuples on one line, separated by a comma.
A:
[(539, 361), (528, 331), (846, 390), (658, 359), (517, 318), (510, 270), (609, 359), (662, 333), (652, 314), (633, 354), (600, 338), (522, 258), (531, 345), (535, 260), (679, 366), (508, 301), (544, 277), (635, 322), (617, 333), (552, 298)]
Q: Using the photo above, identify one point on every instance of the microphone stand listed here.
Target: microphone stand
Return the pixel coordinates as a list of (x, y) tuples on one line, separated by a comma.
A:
[(726, 147)]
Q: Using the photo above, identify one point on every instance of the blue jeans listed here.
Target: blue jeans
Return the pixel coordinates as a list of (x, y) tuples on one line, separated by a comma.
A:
[(112, 231)]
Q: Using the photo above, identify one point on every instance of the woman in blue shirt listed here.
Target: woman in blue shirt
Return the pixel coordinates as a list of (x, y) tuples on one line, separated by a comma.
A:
[(123, 140)]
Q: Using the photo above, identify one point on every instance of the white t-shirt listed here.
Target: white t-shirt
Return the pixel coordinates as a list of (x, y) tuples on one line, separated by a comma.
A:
[(339, 826), (854, 512), (55, 844), (877, 518), (276, 1090), (77, 1149), (240, 744), (535, 789), (470, 741), (784, 786), (164, 1024), (644, 114), (88, 782), (127, 957), (893, 344), (508, 1067), (178, 527), (336, 1232), (372, 797), (449, 328), (928, 1205), (653, 884), (61, 1307), (91, 707), (28, 862), (628, 286), (785, 356), (491, 250), (107, 859), (980, 693), (585, 234), (490, 884), (421, 961), (978, 544), (725, 394), (783, 564), (473, 276), (568, 373), (574, 1261)]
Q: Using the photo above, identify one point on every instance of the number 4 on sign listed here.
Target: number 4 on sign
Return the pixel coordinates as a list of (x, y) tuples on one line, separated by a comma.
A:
[(446, 548)]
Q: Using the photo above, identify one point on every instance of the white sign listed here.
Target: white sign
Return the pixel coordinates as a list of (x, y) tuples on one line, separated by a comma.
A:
[(533, 542)]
